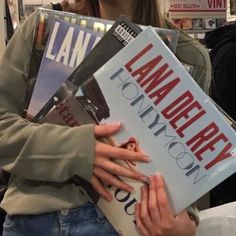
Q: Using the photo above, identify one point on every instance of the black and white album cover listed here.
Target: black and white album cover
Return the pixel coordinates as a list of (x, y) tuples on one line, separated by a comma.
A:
[(210, 23), (198, 23)]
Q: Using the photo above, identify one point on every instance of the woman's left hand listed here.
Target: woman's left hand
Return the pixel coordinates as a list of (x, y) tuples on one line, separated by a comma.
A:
[(154, 216)]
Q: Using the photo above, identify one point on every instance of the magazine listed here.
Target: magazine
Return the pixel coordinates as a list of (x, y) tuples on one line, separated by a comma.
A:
[(68, 44), (145, 87)]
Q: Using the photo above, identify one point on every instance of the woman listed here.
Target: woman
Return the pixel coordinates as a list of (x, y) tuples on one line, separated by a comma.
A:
[(40, 199)]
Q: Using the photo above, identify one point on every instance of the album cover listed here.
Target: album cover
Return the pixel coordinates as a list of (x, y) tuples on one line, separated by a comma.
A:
[(210, 23), (190, 142), (198, 23), (184, 23), (220, 22)]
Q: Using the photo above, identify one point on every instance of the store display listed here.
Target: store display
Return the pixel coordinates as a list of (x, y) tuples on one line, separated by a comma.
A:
[(204, 15)]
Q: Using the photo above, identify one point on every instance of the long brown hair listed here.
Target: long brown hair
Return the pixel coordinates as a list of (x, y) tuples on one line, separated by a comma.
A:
[(144, 12)]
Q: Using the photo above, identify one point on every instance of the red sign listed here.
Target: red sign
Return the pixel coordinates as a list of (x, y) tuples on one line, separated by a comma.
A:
[(198, 5)]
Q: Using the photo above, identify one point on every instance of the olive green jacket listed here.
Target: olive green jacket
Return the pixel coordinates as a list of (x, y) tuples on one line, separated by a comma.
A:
[(39, 157), (42, 157), (192, 53)]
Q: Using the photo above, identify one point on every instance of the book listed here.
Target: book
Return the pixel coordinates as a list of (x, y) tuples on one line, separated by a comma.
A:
[(189, 141), (68, 44)]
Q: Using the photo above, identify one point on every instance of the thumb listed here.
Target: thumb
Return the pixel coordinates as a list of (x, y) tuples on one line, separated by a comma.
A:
[(106, 129)]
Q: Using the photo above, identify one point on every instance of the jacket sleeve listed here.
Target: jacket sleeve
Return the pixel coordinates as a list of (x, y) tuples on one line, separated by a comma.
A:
[(32, 151), (193, 213), (194, 54)]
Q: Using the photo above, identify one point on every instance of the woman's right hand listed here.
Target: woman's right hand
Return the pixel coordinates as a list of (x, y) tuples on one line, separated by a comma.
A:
[(154, 216), (106, 170)]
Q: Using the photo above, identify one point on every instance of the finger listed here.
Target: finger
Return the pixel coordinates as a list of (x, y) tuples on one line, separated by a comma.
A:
[(162, 199), (117, 169), (106, 150), (153, 202), (98, 186), (106, 129), (112, 180), (144, 211), (138, 147), (184, 216), (139, 223)]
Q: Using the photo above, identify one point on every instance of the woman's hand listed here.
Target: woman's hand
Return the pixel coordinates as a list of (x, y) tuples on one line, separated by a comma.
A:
[(154, 216), (106, 170)]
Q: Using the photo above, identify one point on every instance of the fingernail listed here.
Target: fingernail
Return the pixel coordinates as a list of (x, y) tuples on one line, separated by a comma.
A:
[(109, 198), (137, 206), (158, 176), (115, 124), (133, 191), (147, 158), (151, 180), (129, 189), (143, 188), (144, 179), (145, 154), (160, 180)]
